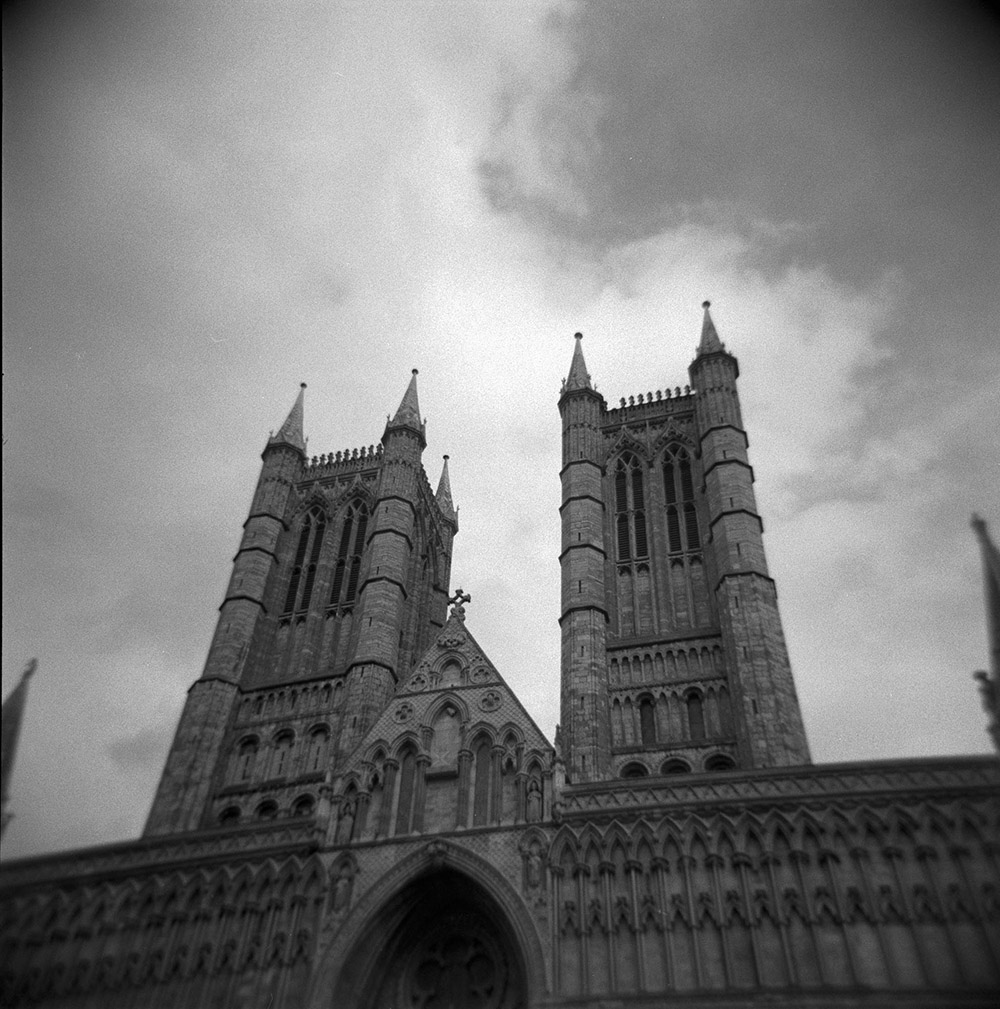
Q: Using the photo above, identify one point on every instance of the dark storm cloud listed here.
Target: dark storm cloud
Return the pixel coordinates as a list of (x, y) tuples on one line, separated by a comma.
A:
[(816, 112)]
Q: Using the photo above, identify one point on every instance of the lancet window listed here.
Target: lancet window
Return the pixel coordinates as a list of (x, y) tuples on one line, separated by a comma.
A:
[(347, 569), (300, 585), (683, 534), (630, 509)]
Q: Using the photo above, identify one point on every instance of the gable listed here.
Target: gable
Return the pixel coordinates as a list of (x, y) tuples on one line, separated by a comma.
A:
[(453, 698)]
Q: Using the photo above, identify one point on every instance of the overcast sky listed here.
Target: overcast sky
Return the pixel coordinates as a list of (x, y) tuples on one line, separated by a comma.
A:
[(206, 204)]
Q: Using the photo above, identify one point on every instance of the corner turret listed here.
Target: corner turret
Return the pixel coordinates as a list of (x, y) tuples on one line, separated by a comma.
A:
[(583, 621), (379, 623), (187, 777), (770, 730)]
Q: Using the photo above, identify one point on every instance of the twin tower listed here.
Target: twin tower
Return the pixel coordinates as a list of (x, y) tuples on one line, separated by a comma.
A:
[(673, 657)]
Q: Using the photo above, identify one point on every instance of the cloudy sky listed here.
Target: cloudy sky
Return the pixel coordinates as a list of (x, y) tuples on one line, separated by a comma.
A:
[(206, 204)]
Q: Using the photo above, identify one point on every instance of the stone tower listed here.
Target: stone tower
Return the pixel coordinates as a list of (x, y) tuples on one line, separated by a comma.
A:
[(339, 584), (358, 811), (673, 656)]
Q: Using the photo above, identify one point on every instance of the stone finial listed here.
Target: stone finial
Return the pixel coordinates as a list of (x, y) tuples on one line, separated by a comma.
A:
[(457, 602)]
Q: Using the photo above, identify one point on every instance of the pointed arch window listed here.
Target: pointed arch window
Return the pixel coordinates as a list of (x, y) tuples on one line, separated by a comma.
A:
[(683, 533), (407, 784), (300, 585), (481, 792), (630, 509), (347, 568)]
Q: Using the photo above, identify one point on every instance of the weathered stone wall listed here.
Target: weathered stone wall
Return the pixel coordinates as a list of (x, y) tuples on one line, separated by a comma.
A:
[(836, 886)]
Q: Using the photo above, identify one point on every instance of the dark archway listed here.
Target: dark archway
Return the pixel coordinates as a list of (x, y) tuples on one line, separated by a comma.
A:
[(441, 943)]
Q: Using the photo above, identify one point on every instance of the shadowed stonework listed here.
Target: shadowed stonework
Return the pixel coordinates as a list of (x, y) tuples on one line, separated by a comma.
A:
[(357, 811)]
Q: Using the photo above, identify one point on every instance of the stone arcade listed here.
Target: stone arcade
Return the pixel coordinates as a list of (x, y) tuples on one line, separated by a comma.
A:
[(357, 811)]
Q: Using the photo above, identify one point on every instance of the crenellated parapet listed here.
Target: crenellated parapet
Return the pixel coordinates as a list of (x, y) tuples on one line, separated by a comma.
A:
[(646, 405), (334, 463)]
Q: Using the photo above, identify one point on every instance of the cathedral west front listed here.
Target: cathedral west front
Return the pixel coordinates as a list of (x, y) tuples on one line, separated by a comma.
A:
[(357, 811)]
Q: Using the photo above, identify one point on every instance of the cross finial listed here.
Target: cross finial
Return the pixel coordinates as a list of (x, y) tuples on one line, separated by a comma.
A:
[(457, 603)]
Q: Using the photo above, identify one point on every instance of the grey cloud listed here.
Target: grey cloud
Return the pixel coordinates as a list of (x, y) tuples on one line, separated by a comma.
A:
[(142, 750)]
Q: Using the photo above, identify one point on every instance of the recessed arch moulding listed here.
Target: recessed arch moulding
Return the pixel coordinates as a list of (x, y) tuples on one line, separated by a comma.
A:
[(443, 921)]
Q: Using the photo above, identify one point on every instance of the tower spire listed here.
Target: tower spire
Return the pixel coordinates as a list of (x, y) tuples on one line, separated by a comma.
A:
[(409, 408), (408, 414), (290, 433), (443, 495), (710, 342), (13, 713), (579, 377)]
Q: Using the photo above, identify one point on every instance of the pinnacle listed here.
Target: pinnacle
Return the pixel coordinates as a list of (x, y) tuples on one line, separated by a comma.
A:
[(290, 433), (443, 496), (409, 409), (710, 342), (578, 377)]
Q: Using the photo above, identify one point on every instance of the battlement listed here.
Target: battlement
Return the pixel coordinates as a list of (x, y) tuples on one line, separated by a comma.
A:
[(646, 404), (349, 459)]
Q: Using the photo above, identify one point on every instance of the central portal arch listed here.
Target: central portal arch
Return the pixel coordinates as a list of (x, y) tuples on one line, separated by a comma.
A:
[(442, 942)]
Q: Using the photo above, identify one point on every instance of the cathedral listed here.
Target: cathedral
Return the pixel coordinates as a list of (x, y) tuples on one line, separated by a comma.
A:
[(358, 813)]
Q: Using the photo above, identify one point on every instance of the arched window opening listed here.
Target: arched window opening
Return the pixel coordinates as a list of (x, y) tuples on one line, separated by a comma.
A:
[(246, 759), (447, 738), (696, 716), (267, 810), (533, 796), (720, 762), (319, 740), (630, 505), (310, 544), (481, 793), (304, 806), (229, 816), (635, 770), (349, 551), (647, 721), (282, 759), (678, 491), (407, 776), (675, 766)]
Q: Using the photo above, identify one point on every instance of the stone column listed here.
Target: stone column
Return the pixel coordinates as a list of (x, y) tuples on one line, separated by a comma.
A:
[(420, 791), (464, 776)]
